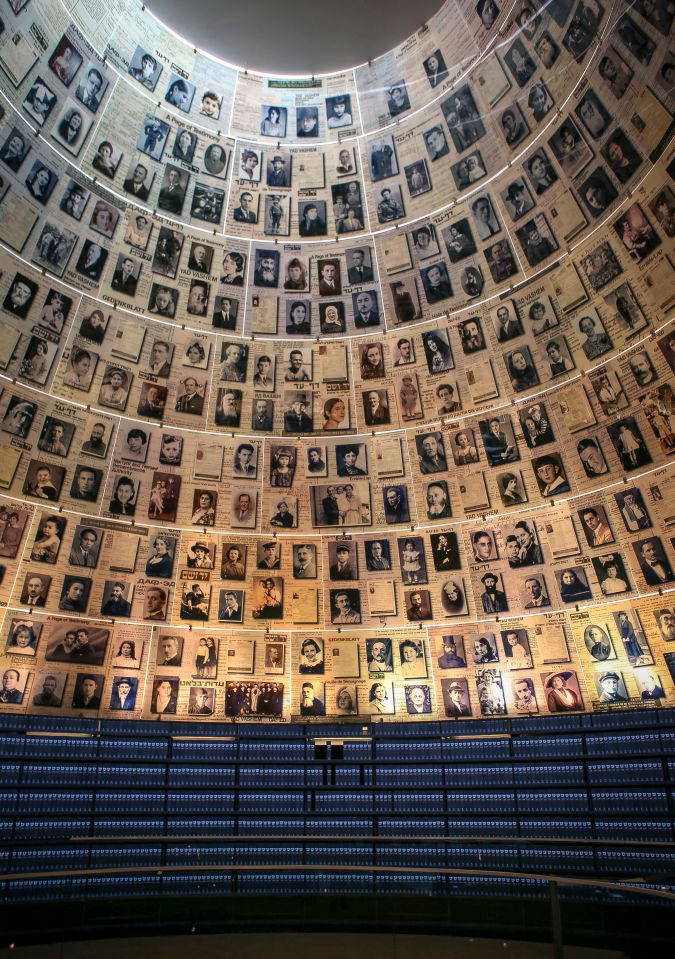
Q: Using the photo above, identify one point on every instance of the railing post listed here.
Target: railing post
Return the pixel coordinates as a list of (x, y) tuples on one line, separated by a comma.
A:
[(556, 922)]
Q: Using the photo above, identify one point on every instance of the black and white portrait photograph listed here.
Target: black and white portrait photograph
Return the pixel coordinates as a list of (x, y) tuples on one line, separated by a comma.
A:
[(519, 62), (540, 172), (382, 158), (71, 127), (501, 262), (39, 103), (601, 266), (144, 68), (184, 145), (339, 111), (215, 161), (540, 101), (390, 205), (593, 114), (273, 121), (417, 178), (598, 192), (397, 98), (468, 170), (436, 143), (40, 182), (514, 126), (207, 203), (629, 444), (179, 93), (637, 235), (463, 118), (518, 199), (435, 69), (53, 248), (425, 242), (153, 136), (570, 149)]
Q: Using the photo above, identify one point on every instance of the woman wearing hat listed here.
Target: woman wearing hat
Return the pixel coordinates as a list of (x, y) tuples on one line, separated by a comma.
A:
[(200, 558), (559, 697)]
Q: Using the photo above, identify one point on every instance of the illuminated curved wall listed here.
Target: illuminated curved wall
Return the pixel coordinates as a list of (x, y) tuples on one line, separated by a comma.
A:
[(368, 360)]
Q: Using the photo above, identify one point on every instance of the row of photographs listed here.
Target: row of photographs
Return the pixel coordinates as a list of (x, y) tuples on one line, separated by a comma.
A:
[(282, 294), (445, 467), (460, 354), (453, 26), (618, 657), (207, 202), (609, 441), (597, 547)]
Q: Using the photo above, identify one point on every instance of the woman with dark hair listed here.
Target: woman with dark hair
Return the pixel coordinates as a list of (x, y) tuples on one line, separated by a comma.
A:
[(521, 371), (103, 161), (92, 327), (126, 655), (205, 514), (233, 268), (123, 502), (195, 354), (298, 321), (559, 696), (178, 95), (572, 588), (488, 11), (184, 146), (22, 640), (70, 127), (334, 411), (38, 182), (271, 125), (379, 698), (437, 352), (509, 487)]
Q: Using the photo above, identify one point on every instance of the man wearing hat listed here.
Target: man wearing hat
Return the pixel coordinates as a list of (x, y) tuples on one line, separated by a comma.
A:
[(388, 208), (516, 195), (342, 568), (493, 599), (348, 466), (609, 684), (201, 558), (296, 419), (455, 704), (270, 558), (123, 694), (449, 658), (278, 174)]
